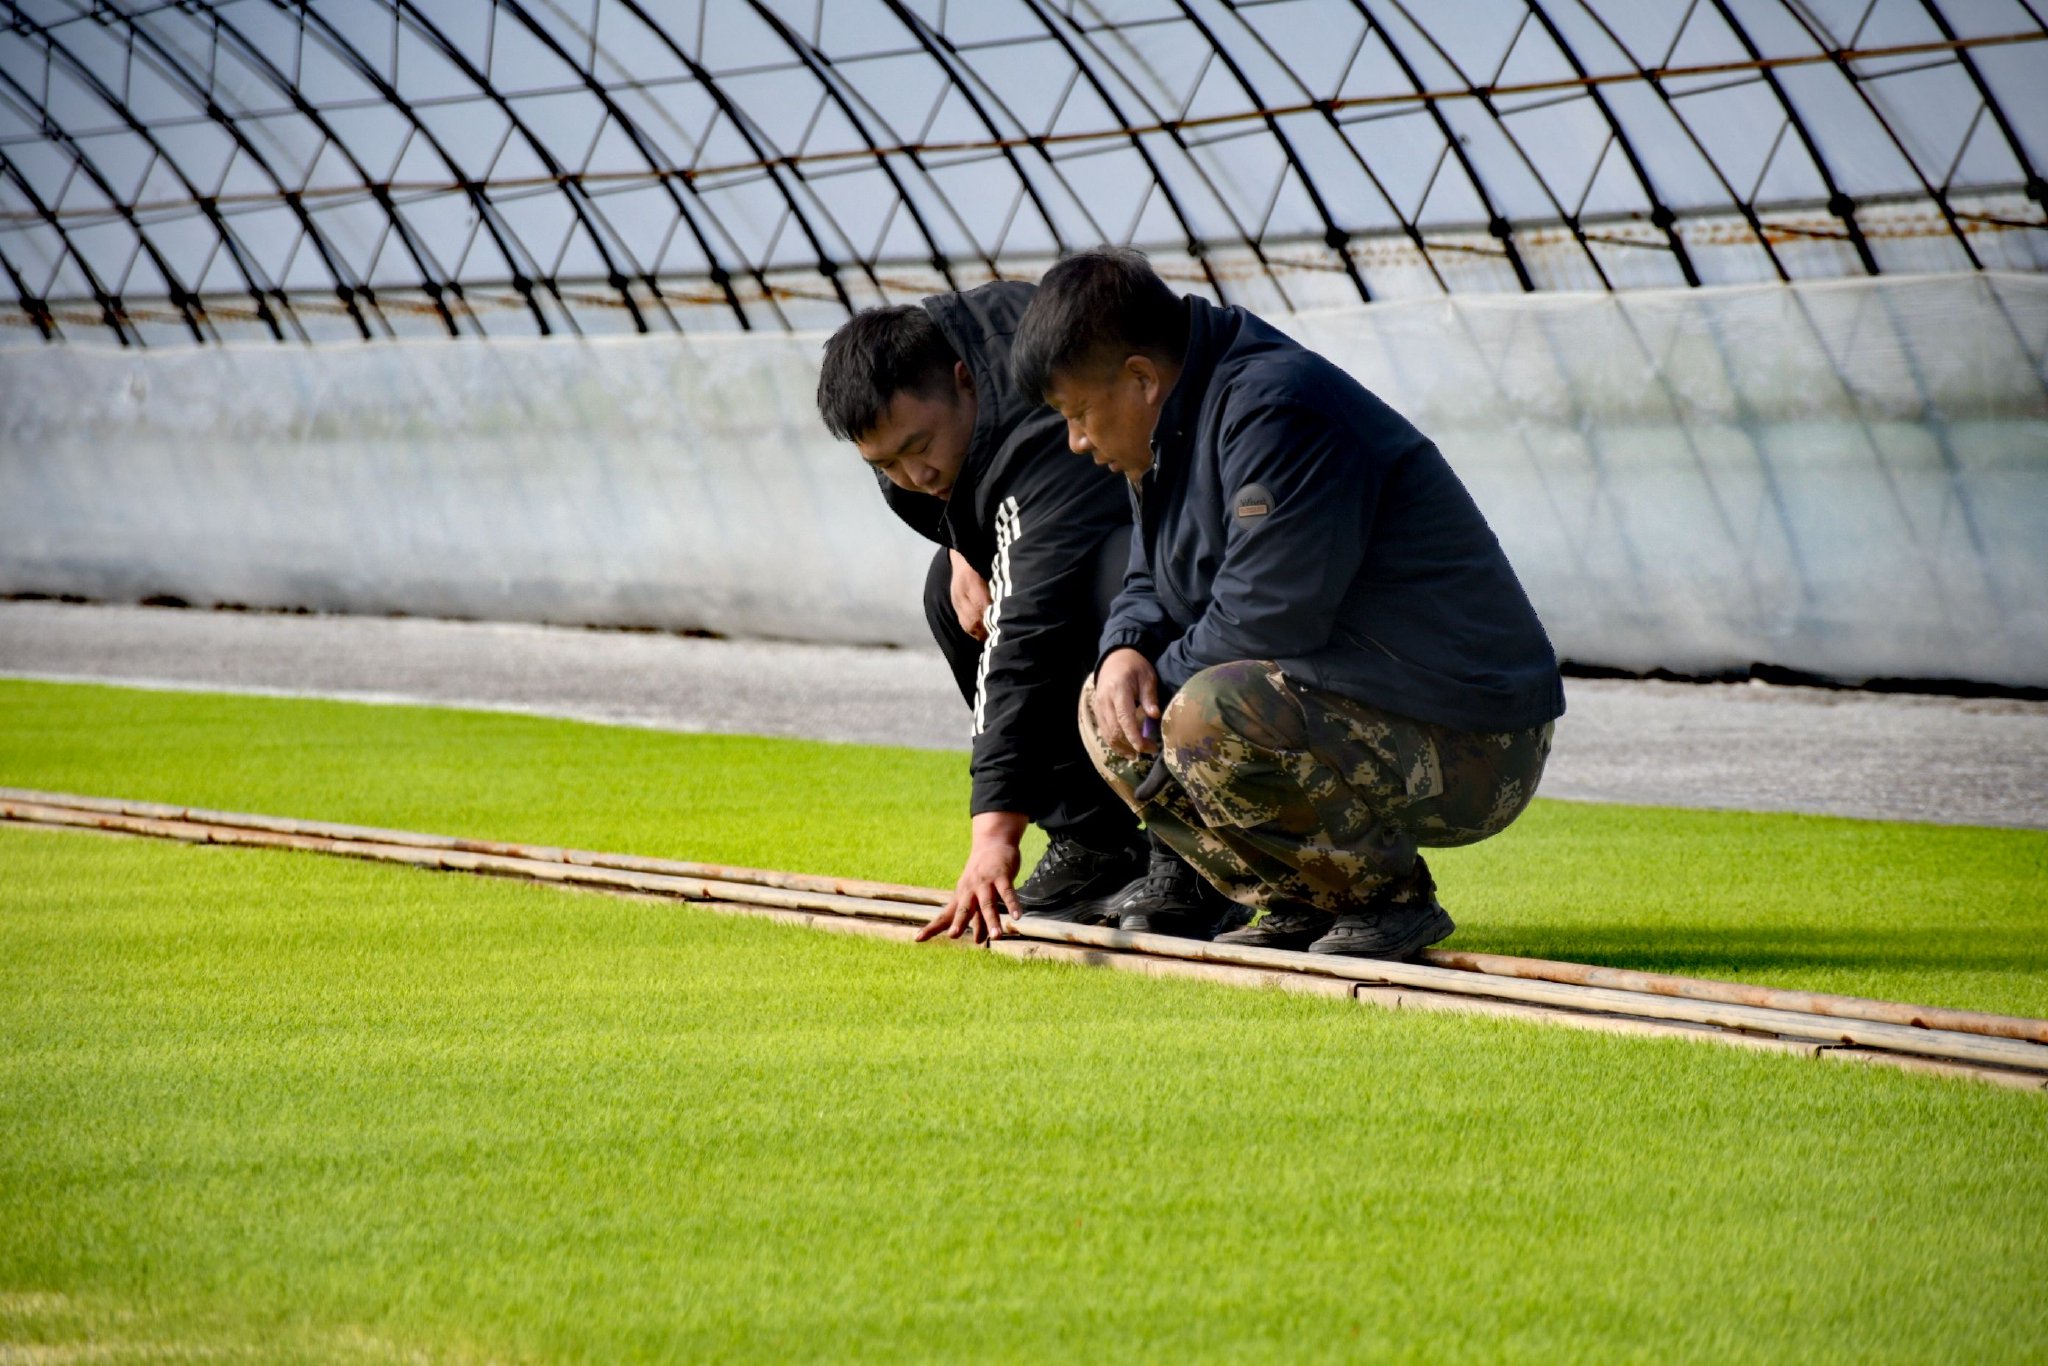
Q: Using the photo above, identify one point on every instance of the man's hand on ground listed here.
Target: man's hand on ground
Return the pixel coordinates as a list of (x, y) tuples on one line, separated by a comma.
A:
[(1126, 697), (970, 597), (984, 891)]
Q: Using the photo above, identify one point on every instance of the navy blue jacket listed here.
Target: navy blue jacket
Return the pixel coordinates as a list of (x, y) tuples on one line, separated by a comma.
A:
[(1291, 515)]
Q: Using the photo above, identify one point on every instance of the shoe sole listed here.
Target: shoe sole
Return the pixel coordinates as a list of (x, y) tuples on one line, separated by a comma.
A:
[(1251, 939), (1432, 928), (1086, 913), (1149, 924)]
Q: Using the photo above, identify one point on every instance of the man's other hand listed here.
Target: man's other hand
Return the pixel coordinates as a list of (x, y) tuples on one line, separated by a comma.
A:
[(984, 891), (970, 597), (1126, 699)]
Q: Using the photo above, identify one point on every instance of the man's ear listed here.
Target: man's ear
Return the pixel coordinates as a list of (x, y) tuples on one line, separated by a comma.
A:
[(963, 379), (1145, 371)]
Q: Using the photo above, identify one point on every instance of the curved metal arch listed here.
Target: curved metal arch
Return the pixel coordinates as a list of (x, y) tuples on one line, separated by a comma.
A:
[(1839, 204), (1328, 109), (1334, 237), (826, 266), (345, 290), (1102, 92), (487, 215), (1499, 226), (381, 193), (2036, 189), (821, 71), (182, 297), (1485, 98), (38, 311), (55, 50), (1940, 197), (1196, 247), (427, 29), (112, 312), (574, 186), (1656, 84), (945, 61), (1661, 215)]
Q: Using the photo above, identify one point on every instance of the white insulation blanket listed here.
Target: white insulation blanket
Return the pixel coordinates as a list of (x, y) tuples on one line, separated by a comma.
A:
[(1847, 477)]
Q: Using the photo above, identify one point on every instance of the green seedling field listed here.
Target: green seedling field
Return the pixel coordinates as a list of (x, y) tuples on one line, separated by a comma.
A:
[(271, 1106)]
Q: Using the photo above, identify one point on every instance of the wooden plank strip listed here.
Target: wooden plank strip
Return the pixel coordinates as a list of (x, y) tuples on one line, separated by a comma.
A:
[(1737, 993), (1895, 1038), (1115, 948), (1498, 965)]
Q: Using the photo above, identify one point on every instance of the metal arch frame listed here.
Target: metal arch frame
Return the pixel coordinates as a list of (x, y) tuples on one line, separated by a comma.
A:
[(945, 61), (427, 29), (1178, 134), (820, 68), (1328, 109), (381, 193), (37, 310), (1334, 237), (52, 51), (1661, 215), (344, 290), (2036, 189), (1498, 225), (487, 216), (111, 305), (1839, 204), (1939, 196), (573, 185), (1656, 84), (826, 266), (1092, 48), (1102, 92), (111, 310), (1485, 98)]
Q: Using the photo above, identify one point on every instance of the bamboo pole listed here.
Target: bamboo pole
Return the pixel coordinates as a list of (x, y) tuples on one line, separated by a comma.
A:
[(1755, 1019), (1491, 964), (1544, 995), (1738, 993), (541, 870), (282, 825)]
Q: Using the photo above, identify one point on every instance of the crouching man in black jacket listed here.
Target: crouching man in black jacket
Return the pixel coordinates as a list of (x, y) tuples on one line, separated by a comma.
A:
[(1348, 666), (1032, 550)]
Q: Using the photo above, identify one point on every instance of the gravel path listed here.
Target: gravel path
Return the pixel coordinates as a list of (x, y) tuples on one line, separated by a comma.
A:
[(1745, 746)]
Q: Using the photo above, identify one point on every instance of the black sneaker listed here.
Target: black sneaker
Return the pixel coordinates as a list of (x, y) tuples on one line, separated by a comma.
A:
[(1170, 898), (1397, 924), (1076, 882), (1280, 927)]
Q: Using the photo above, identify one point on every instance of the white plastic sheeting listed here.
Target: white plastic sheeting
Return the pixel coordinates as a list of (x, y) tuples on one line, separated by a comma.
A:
[(1848, 477)]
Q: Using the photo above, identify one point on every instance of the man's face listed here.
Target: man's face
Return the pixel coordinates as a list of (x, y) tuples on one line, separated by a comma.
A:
[(920, 442), (1111, 409)]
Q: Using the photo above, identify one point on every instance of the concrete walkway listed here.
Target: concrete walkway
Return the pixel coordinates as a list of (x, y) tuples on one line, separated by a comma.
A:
[(1745, 746)]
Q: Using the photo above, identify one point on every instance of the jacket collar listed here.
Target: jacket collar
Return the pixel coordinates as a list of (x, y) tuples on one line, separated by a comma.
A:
[(1208, 338)]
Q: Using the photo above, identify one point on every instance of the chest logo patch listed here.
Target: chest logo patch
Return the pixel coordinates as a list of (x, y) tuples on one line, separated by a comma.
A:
[(1253, 502)]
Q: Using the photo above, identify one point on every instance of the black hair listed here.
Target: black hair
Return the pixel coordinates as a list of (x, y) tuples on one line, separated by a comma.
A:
[(1096, 305), (875, 356)]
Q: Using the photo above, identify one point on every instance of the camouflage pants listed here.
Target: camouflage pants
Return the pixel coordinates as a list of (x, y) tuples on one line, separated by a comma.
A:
[(1283, 795)]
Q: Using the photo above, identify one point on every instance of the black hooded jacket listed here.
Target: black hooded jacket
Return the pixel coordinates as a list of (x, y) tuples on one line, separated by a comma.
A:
[(1029, 515), (1291, 515)]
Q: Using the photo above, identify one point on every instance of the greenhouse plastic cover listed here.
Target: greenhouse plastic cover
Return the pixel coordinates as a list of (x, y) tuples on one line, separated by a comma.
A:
[(1848, 478)]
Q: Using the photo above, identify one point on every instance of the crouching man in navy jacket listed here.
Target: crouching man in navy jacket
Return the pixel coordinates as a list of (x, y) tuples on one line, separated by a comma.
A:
[(1320, 658)]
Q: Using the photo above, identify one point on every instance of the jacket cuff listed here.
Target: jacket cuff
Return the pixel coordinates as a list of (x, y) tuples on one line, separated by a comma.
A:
[(1128, 638), (1001, 792)]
